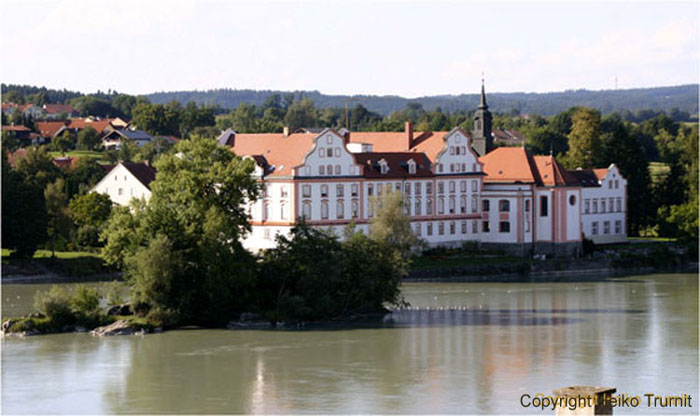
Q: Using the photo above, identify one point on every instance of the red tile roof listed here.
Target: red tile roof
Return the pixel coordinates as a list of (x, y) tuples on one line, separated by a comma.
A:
[(65, 162), (553, 174), (99, 125), (15, 128), (49, 128), (510, 164), (600, 173), (12, 158), (58, 108)]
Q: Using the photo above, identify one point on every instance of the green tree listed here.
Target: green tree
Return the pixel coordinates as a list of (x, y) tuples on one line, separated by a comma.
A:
[(390, 226), (88, 138), (197, 208), (37, 167), (301, 114), (23, 213), (56, 199), (63, 143), (584, 139), (90, 209), (84, 174)]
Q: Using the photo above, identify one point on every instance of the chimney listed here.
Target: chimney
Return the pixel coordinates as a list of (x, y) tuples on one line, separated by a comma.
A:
[(285, 131), (409, 134)]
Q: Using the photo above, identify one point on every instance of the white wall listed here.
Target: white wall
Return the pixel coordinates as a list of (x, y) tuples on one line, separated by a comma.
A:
[(121, 186), (612, 187)]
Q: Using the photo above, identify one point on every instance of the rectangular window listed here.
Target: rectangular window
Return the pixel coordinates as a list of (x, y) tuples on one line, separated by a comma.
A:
[(337, 169), (527, 205), (441, 188), (586, 206), (544, 208), (485, 205), (417, 208), (475, 186), (120, 191), (418, 229), (594, 228), (619, 204), (606, 227), (618, 227), (463, 186), (602, 205), (337, 152), (485, 226), (504, 227), (504, 205), (430, 228), (266, 233), (407, 188), (339, 190), (306, 191), (464, 227), (610, 184), (417, 187), (321, 170), (475, 227), (475, 202), (452, 187), (611, 201), (354, 189), (453, 227), (324, 191), (441, 228), (370, 190), (429, 188), (595, 206)]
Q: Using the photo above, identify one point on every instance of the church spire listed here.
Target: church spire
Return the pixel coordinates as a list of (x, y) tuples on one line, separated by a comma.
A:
[(482, 99)]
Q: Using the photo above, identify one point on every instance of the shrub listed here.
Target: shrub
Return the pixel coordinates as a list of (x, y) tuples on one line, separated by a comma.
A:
[(85, 301), (158, 316), (56, 305), (113, 296)]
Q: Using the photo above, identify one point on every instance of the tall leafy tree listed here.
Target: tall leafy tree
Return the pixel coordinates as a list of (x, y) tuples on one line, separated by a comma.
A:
[(56, 209), (584, 139), (88, 138), (37, 167)]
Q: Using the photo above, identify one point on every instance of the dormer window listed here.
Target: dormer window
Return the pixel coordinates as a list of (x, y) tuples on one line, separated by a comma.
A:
[(411, 167), (383, 167)]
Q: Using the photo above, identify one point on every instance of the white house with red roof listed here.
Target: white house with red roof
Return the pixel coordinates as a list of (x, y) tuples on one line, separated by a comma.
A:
[(126, 181)]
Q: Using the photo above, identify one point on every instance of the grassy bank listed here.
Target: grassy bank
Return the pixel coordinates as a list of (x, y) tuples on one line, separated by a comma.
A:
[(65, 263)]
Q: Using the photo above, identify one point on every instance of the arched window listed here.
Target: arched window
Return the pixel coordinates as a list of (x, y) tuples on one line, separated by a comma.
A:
[(441, 205), (283, 211), (452, 205), (417, 207), (463, 204), (429, 206), (306, 210), (340, 209), (355, 209), (324, 210), (475, 203), (266, 211)]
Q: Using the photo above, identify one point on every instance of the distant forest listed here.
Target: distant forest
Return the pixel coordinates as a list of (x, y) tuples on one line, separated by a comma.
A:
[(683, 98), (674, 100)]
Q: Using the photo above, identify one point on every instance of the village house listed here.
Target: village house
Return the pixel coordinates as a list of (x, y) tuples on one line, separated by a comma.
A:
[(58, 111), (125, 181), (114, 139)]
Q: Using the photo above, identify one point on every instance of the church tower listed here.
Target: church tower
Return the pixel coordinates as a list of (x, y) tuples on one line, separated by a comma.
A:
[(482, 141)]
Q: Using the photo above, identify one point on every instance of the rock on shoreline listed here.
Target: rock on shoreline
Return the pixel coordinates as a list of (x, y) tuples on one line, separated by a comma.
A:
[(120, 327)]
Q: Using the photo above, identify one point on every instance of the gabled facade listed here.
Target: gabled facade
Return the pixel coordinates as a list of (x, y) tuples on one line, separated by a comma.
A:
[(604, 210), (126, 181), (114, 138)]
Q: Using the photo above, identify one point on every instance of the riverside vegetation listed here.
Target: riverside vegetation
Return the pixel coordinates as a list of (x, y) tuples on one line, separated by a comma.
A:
[(182, 257)]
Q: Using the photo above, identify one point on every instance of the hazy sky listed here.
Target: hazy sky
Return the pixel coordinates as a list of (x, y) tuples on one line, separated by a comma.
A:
[(407, 48)]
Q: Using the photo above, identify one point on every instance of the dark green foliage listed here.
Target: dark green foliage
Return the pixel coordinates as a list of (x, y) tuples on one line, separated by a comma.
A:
[(37, 167), (83, 176), (88, 138), (24, 217), (588, 246), (311, 275), (56, 305), (91, 209), (63, 142)]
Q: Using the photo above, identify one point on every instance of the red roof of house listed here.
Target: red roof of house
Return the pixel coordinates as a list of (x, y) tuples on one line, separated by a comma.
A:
[(510, 164), (65, 162), (553, 174), (58, 108), (600, 173), (99, 125), (288, 152), (49, 128), (15, 128)]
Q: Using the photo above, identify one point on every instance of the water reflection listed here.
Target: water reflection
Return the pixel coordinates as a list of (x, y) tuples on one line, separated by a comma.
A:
[(488, 345)]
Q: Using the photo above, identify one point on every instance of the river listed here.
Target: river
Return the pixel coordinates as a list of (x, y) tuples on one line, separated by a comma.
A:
[(470, 348)]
